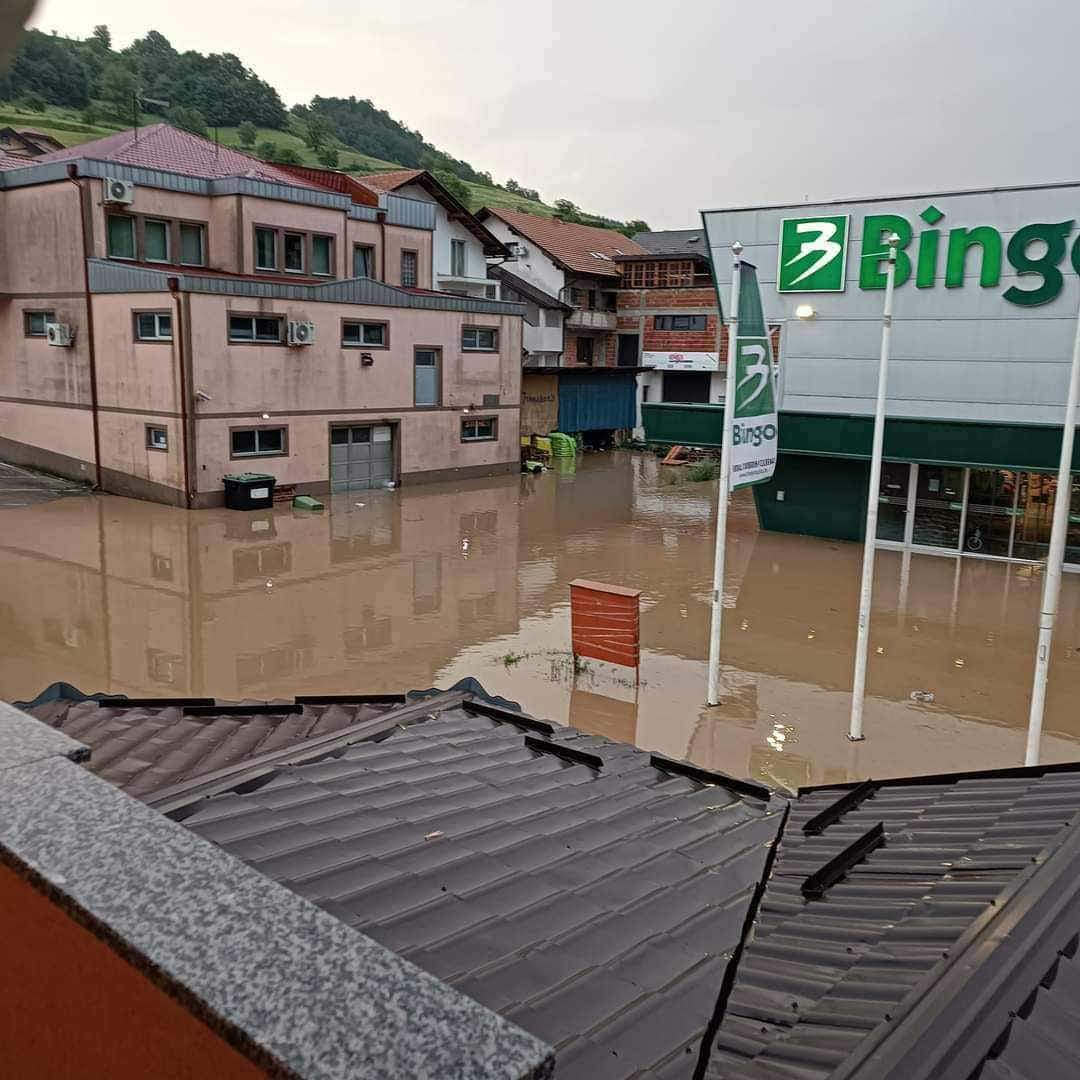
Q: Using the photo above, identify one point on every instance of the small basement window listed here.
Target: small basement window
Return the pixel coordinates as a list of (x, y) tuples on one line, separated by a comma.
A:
[(481, 430), (479, 339), (34, 322), (256, 328), (371, 334), (157, 438), (153, 326), (255, 442)]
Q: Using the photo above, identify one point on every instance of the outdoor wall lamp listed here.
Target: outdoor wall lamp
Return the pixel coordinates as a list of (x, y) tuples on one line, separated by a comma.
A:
[(202, 395), (366, 359), (805, 311)]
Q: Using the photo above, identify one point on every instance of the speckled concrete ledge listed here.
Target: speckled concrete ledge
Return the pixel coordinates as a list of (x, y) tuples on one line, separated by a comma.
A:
[(24, 739), (274, 975)]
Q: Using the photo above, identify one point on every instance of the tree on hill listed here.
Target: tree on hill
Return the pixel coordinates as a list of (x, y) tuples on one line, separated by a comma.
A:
[(49, 66), (247, 133), (267, 150), (117, 89), (632, 228), (455, 185), (317, 131), (565, 210), (190, 120), (102, 37), (328, 157)]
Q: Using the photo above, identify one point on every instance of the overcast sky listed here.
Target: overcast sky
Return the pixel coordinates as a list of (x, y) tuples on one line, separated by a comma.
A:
[(658, 110)]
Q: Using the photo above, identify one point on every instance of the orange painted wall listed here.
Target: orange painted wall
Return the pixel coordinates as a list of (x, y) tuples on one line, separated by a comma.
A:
[(70, 1007)]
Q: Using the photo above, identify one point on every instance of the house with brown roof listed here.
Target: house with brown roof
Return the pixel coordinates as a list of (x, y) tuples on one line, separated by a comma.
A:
[(461, 244), (173, 310), (597, 365)]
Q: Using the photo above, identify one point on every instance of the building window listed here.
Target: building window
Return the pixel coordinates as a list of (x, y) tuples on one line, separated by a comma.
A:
[(679, 322), (34, 322), (479, 339), (157, 438), (363, 261), (258, 328), (585, 350), (408, 269), (370, 334), (322, 255), (294, 252), (426, 377), (192, 245), (457, 258), (258, 442), (674, 274), (120, 237), (156, 240), (153, 326), (483, 430), (491, 292), (265, 249)]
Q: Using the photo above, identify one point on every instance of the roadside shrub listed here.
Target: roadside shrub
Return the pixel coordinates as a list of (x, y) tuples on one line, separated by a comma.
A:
[(701, 471)]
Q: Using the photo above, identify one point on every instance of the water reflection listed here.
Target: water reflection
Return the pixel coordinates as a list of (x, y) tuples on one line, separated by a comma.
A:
[(425, 585)]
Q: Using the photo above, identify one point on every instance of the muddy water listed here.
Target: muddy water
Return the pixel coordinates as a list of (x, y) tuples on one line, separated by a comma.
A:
[(420, 587)]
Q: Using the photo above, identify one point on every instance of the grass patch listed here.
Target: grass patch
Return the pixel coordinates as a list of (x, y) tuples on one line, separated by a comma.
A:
[(701, 471), (512, 658)]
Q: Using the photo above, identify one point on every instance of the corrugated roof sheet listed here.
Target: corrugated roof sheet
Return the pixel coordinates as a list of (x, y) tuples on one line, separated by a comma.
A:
[(560, 879), (390, 181), (822, 975), (527, 289), (161, 146), (570, 244)]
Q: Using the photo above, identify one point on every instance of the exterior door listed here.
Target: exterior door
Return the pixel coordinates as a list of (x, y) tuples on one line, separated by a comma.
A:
[(628, 350), (361, 457)]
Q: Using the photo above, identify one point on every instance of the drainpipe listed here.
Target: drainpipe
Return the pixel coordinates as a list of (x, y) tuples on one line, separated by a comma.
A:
[(73, 176), (381, 218), (178, 322)]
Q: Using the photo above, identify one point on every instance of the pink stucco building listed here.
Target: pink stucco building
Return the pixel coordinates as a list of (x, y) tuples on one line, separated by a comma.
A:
[(172, 311)]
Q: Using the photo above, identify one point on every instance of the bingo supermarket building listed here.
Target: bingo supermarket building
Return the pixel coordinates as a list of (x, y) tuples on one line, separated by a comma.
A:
[(985, 314)]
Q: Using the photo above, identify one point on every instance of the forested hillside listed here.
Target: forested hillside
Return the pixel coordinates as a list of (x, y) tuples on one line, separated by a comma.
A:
[(80, 89)]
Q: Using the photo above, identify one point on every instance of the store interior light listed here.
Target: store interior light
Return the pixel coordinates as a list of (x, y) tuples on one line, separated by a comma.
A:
[(805, 311)]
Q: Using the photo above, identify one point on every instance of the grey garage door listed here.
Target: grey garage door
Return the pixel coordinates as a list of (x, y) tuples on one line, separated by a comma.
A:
[(361, 456)]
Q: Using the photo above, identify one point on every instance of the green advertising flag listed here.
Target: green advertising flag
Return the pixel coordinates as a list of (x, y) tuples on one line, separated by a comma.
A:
[(755, 425)]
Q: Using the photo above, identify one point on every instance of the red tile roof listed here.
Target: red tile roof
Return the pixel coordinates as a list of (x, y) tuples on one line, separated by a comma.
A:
[(572, 245), (8, 161), (160, 146), (334, 180), (391, 181)]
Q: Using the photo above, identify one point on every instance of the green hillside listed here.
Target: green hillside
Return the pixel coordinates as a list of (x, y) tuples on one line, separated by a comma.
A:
[(77, 90), (67, 126)]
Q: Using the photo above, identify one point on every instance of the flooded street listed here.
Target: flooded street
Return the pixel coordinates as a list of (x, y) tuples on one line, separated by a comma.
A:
[(426, 585)]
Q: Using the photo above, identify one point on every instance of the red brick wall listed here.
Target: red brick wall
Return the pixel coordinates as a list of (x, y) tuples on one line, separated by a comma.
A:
[(603, 349), (660, 299), (680, 340)]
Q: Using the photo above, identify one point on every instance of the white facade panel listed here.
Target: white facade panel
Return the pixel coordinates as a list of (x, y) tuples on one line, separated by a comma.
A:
[(960, 352)]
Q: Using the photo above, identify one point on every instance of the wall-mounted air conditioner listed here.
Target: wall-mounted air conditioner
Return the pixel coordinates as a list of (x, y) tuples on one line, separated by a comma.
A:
[(301, 333), (119, 192), (59, 334)]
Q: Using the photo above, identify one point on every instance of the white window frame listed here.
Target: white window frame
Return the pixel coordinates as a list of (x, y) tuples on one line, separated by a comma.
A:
[(274, 235), (475, 332), (167, 225), (109, 218), (153, 430), (362, 341), (458, 248), (255, 339), (200, 231), (157, 316), (466, 421), (258, 452), (285, 237)]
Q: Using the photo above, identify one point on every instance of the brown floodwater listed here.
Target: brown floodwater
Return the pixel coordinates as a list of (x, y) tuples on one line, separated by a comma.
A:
[(426, 585)]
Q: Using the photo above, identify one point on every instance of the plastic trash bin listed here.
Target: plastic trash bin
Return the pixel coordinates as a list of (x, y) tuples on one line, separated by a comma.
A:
[(249, 491)]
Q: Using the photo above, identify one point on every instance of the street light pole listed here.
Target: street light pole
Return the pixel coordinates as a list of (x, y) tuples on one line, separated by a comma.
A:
[(866, 595), (712, 696), (1054, 559)]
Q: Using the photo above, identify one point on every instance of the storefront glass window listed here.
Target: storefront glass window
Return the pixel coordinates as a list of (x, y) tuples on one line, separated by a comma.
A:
[(892, 500), (992, 496), (939, 505), (1034, 516)]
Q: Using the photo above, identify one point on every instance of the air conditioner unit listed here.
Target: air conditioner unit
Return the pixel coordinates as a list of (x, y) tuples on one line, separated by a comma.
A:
[(121, 192), (301, 333), (59, 334)]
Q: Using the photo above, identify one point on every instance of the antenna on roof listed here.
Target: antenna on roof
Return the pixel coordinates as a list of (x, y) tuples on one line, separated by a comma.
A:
[(136, 100)]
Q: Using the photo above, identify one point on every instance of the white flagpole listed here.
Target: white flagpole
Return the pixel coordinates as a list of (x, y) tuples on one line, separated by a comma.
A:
[(713, 693), (1054, 558), (866, 595)]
